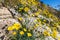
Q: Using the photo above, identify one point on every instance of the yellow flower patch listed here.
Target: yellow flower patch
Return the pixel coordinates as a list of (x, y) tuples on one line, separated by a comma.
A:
[(46, 33), (20, 18), (37, 13), (29, 34), (20, 9), (25, 29), (21, 32), (14, 33), (16, 26), (10, 28), (26, 9), (54, 34)]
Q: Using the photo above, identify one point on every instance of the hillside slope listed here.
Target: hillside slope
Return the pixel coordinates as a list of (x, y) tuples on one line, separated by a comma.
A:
[(36, 21)]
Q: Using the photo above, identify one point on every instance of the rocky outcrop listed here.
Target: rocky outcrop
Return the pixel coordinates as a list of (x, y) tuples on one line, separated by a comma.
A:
[(5, 21)]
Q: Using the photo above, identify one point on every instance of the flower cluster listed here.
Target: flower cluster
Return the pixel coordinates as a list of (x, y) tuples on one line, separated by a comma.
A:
[(15, 26), (18, 29)]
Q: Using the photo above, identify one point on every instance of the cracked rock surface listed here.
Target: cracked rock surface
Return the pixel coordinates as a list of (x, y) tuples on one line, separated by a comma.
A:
[(5, 21)]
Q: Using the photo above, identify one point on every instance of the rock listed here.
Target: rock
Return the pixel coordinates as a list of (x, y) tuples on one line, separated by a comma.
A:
[(5, 21), (4, 13)]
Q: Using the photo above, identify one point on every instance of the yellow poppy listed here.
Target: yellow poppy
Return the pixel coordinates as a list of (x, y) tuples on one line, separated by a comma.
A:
[(29, 34), (10, 28), (54, 34), (20, 18), (46, 33), (16, 24), (14, 33), (26, 9), (25, 29), (21, 33)]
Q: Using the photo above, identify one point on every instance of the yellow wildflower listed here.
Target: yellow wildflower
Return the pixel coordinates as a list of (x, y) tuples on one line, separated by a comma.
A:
[(14, 33), (16, 24), (20, 9), (29, 34), (25, 29), (33, 15), (54, 34), (44, 20), (26, 9), (46, 33), (35, 20), (17, 28), (21, 33), (13, 27), (22, 2), (36, 25), (37, 13), (35, 3), (20, 18), (38, 19), (10, 28)]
